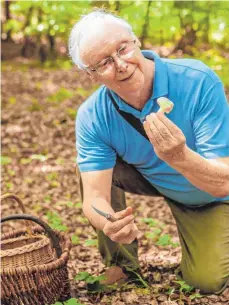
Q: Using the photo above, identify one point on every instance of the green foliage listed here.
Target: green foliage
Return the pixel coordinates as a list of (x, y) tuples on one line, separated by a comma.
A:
[(183, 287), (72, 301), (41, 158), (215, 60), (195, 296), (200, 22), (75, 240), (153, 234), (156, 233), (82, 92), (93, 282), (59, 63), (5, 160), (144, 283), (35, 105), (44, 17), (52, 176), (47, 198), (9, 186), (71, 112), (61, 95), (91, 243), (185, 291), (71, 204), (11, 172), (88, 278), (166, 240), (152, 222), (25, 161), (55, 221)]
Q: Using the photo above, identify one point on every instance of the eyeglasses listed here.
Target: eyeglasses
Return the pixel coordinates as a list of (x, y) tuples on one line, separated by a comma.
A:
[(105, 66)]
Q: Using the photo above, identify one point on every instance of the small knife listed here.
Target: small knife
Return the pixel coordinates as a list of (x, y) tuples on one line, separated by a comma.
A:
[(106, 215)]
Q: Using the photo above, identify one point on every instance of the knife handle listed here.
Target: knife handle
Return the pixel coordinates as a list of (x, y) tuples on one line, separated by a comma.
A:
[(111, 218)]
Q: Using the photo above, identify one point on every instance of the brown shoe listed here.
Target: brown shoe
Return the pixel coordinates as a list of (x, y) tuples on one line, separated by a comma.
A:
[(113, 275)]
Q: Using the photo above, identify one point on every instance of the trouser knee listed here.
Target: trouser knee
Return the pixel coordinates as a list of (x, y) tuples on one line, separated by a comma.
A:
[(207, 282)]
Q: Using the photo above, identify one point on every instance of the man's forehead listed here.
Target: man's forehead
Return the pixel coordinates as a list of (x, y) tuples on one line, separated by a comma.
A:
[(102, 39)]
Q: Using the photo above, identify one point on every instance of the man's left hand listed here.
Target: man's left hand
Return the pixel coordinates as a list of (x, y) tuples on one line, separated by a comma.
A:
[(168, 140)]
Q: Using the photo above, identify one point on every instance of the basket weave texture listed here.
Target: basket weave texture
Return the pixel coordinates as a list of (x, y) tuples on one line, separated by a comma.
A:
[(33, 266), (25, 251), (39, 284)]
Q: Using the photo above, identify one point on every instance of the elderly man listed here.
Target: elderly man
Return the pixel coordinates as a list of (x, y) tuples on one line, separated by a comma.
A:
[(125, 144)]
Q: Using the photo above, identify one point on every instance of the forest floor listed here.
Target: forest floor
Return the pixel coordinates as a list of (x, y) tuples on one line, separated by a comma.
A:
[(38, 164)]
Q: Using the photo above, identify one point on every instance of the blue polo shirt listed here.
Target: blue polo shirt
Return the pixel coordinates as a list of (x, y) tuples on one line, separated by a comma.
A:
[(200, 110)]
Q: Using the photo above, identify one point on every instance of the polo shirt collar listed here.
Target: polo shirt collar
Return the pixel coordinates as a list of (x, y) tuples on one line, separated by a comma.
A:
[(160, 86)]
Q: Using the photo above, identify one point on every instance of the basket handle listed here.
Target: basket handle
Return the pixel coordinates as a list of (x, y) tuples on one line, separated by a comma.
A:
[(51, 234), (22, 207)]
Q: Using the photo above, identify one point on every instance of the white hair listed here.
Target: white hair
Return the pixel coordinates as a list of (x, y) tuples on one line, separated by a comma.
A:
[(80, 30)]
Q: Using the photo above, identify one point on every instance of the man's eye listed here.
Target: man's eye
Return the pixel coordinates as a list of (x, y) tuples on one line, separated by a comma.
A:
[(104, 63), (122, 49)]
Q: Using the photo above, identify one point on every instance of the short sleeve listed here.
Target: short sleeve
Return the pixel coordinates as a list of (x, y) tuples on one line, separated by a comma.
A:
[(93, 152), (211, 123)]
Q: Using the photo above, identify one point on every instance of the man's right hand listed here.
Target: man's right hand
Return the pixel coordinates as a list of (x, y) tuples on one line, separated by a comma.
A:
[(124, 230)]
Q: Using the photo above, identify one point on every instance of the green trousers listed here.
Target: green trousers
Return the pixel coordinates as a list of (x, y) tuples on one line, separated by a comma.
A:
[(203, 233)]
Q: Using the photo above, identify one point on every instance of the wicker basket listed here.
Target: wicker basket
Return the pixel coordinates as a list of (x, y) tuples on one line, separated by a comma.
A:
[(18, 249), (42, 283)]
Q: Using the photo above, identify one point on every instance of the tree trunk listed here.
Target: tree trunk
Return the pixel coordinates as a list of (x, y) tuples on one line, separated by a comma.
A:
[(29, 47), (117, 6), (8, 17), (206, 23), (146, 25)]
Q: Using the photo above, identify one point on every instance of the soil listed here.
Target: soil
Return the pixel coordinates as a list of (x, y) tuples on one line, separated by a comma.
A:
[(38, 134)]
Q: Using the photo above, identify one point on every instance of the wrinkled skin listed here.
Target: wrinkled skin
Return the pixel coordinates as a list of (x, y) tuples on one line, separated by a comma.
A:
[(124, 230), (167, 139), (100, 44)]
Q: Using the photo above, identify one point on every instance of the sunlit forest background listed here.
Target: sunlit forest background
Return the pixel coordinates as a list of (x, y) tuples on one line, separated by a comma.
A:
[(41, 93), (197, 29)]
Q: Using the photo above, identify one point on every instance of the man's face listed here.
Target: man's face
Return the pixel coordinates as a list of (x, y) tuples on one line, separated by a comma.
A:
[(125, 73)]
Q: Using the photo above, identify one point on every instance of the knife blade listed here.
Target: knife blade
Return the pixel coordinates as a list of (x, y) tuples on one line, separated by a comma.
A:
[(106, 215)]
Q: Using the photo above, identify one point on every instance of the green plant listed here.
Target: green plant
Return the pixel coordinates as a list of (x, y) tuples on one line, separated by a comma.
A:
[(9, 186), (91, 242), (156, 233), (144, 283), (51, 176), (153, 234), (5, 160), (71, 112), (25, 161), (88, 278), (35, 105), (71, 204), (11, 172), (41, 158), (75, 240), (72, 301), (166, 240), (61, 95), (183, 287), (47, 198), (55, 221), (195, 296)]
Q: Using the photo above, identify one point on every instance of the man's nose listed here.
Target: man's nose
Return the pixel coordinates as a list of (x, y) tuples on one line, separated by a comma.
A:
[(120, 64)]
